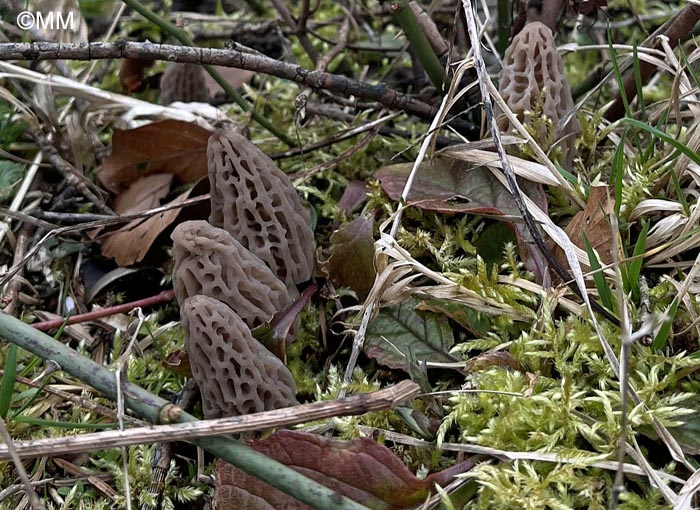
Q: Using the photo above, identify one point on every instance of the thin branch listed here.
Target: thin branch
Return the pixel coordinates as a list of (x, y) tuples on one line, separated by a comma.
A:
[(69, 173), (317, 80), (181, 36), (321, 65), (299, 29), (355, 405), (164, 296)]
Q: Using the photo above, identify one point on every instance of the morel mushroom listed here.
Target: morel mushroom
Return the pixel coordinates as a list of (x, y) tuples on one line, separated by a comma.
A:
[(253, 200), (183, 82), (235, 373), (210, 262), (531, 67)]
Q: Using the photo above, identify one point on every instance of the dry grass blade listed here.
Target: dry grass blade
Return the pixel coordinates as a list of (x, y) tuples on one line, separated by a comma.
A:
[(593, 461)]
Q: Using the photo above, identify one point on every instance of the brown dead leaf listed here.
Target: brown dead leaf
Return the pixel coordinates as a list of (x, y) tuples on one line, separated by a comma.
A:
[(178, 362), (143, 194), (131, 243), (167, 147), (594, 223), (361, 470), (354, 195)]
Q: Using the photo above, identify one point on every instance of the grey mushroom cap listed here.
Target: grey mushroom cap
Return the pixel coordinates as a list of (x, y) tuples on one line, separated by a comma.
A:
[(235, 373), (256, 203), (210, 262)]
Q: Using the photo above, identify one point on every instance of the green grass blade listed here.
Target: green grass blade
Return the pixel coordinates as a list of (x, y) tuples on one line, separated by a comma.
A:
[(503, 25), (34, 393), (634, 268), (662, 337), (679, 193), (693, 156), (618, 75), (616, 173), (64, 424), (601, 284), (7, 385), (638, 78)]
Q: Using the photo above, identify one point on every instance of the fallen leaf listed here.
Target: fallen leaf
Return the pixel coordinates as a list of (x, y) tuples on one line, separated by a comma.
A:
[(400, 329), (594, 223), (448, 185), (143, 194), (131, 243), (354, 195), (471, 320), (361, 470), (167, 147), (351, 263), (178, 362)]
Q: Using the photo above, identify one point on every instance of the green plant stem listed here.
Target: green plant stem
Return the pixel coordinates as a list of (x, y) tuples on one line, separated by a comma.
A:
[(503, 25), (183, 38), (419, 44), (150, 406)]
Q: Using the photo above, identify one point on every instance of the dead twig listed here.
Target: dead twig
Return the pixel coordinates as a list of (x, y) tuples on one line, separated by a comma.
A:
[(69, 173), (321, 65), (342, 157), (299, 28), (163, 297), (351, 406), (317, 80)]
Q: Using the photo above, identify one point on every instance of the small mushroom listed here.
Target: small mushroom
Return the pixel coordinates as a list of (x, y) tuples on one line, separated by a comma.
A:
[(256, 203), (210, 262), (531, 67), (235, 373), (183, 82)]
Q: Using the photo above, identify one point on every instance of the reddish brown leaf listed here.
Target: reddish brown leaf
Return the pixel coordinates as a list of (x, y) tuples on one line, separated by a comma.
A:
[(178, 362), (592, 222), (143, 194), (361, 470), (168, 147), (131, 243), (450, 186), (355, 194), (351, 263)]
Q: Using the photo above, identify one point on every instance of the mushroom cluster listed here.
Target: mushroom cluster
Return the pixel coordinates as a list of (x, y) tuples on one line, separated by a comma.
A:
[(235, 272)]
